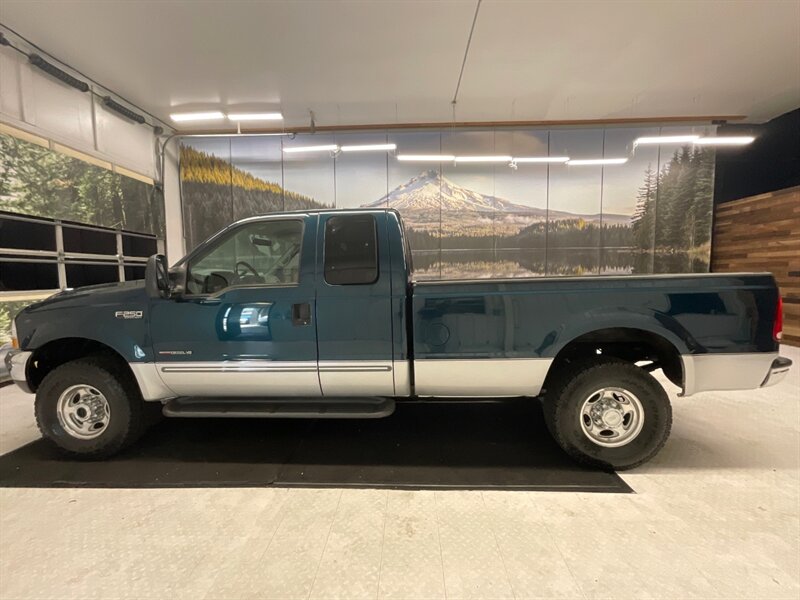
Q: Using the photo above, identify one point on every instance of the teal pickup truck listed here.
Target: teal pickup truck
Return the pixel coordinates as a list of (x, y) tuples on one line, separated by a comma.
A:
[(316, 314)]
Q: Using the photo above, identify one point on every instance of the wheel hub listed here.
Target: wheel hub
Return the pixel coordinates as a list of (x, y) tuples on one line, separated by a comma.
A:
[(83, 411), (612, 417)]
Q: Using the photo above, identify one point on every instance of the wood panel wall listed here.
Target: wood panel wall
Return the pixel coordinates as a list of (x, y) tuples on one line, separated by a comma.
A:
[(762, 233)]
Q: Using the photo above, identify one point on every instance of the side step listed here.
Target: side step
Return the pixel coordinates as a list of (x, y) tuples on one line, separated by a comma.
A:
[(276, 408)]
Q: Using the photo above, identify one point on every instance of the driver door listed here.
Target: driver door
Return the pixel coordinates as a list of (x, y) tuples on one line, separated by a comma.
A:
[(244, 326)]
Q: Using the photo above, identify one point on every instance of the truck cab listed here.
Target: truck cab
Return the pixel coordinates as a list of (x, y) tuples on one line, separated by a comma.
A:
[(305, 305)]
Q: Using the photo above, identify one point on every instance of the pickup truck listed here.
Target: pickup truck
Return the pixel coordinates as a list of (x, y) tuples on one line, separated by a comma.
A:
[(316, 314)]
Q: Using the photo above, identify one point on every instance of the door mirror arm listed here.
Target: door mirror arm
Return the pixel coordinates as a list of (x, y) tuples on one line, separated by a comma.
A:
[(156, 277)]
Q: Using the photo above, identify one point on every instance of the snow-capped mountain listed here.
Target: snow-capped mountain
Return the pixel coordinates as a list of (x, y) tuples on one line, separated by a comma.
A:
[(430, 191)]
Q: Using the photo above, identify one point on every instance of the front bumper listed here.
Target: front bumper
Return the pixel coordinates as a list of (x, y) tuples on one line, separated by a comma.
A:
[(777, 372), (17, 365)]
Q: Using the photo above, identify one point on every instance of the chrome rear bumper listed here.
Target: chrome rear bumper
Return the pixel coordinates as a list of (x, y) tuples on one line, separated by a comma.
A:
[(17, 365), (777, 372)]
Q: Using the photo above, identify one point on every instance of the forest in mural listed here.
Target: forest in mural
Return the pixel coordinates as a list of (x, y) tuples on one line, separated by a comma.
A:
[(672, 209), (215, 193), (40, 182), (651, 215)]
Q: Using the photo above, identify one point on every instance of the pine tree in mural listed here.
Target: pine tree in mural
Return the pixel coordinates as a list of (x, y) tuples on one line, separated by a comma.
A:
[(673, 211), (643, 220), (37, 181), (704, 199)]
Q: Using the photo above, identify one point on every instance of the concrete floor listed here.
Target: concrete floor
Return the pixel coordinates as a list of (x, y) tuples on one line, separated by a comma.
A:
[(716, 515)]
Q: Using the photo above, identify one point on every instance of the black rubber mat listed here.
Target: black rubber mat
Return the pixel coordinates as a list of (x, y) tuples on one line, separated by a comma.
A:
[(443, 445)]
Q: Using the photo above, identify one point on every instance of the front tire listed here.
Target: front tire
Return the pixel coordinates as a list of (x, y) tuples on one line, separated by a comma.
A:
[(607, 413), (89, 408)]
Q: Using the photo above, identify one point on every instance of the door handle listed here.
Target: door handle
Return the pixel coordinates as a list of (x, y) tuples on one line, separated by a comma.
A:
[(301, 314)]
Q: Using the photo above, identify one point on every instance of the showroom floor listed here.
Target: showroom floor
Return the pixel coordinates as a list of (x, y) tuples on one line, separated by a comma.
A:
[(715, 515)]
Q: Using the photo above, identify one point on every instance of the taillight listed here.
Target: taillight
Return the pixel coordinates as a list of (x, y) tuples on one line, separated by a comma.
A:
[(777, 328)]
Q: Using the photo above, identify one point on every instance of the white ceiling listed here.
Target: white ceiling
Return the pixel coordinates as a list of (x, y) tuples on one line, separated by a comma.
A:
[(398, 61)]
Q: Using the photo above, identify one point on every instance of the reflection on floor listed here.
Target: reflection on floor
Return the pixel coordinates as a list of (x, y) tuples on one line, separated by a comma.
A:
[(715, 516)]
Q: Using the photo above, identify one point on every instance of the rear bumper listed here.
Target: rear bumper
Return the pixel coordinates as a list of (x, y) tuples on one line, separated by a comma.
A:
[(17, 365), (777, 372), (722, 372)]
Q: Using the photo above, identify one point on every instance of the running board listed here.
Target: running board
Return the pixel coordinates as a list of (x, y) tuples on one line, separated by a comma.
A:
[(277, 408)]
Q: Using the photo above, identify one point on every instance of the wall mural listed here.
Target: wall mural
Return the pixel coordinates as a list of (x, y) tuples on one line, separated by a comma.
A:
[(38, 181), (649, 215)]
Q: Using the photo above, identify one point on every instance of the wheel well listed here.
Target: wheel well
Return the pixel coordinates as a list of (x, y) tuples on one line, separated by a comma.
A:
[(630, 345), (56, 353)]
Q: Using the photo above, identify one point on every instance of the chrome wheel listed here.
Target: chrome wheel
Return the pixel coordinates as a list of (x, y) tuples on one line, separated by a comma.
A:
[(83, 412), (612, 417)]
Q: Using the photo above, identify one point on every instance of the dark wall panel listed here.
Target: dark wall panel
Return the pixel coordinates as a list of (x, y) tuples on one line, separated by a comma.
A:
[(770, 163)]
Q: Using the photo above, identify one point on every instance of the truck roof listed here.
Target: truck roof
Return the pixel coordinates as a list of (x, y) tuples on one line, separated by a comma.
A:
[(314, 211)]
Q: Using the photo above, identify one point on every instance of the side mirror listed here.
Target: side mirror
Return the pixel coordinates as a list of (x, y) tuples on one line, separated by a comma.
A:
[(156, 277)]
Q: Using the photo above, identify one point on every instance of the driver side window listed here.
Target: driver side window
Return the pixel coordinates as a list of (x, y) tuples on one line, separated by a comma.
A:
[(262, 252)]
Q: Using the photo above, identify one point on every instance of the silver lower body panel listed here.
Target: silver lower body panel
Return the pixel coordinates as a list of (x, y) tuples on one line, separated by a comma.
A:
[(488, 378), (247, 378), (356, 378)]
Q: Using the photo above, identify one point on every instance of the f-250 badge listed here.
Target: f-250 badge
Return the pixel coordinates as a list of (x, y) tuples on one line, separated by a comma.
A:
[(129, 314)]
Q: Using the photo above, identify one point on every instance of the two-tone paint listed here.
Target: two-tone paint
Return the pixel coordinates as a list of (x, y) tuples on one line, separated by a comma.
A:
[(394, 337)]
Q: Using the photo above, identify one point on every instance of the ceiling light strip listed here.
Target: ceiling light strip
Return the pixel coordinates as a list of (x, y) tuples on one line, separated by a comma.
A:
[(321, 148), (369, 148), (425, 157), (597, 161), (725, 140), (483, 159), (665, 139), (539, 159), (197, 116)]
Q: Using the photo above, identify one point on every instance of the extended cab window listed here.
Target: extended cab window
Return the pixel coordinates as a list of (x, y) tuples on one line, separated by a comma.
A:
[(351, 250), (262, 252)]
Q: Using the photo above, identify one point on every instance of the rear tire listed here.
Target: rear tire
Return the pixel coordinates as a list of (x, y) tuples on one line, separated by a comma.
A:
[(89, 408), (607, 413)]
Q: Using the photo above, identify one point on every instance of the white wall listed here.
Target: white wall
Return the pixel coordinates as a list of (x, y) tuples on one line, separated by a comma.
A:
[(173, 209), (36, 102)]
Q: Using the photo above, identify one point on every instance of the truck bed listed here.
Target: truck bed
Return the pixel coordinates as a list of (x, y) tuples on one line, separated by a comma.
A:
[(518, 326)]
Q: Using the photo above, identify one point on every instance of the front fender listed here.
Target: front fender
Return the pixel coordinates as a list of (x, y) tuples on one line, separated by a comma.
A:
[(127, 336)]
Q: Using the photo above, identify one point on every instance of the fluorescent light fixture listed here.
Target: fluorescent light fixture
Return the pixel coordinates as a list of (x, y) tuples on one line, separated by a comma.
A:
[(214, 115), (267, 116), (665, 139), (483, 159), (725, 140), (540, 159), (323, 148), (426, 157), (598, 161), (369, 147)]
